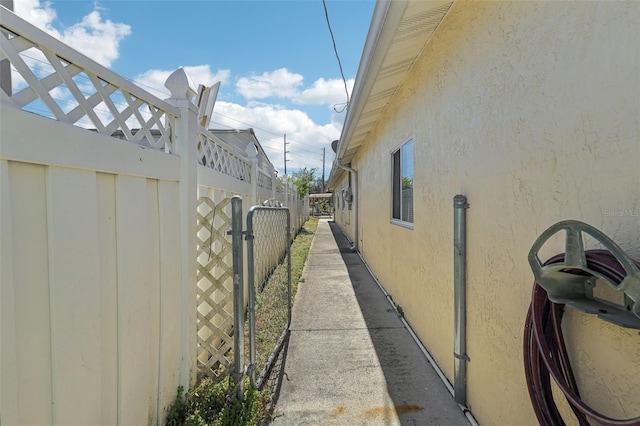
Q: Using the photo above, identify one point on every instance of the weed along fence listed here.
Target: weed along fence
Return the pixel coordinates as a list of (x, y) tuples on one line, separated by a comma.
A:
[(114, 254)]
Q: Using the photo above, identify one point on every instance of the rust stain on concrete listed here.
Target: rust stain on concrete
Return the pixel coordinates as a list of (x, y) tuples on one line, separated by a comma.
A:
[(380, 411), (340, 410), (385, 412)]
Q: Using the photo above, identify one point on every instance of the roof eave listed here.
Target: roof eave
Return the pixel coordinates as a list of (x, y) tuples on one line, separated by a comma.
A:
[(364, 80), (383, 40)]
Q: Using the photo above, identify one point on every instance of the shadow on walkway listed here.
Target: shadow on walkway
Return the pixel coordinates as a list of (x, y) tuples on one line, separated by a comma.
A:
[(350, 360)]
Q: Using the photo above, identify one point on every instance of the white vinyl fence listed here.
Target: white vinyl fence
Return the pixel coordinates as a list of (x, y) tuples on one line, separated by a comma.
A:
[(215, 277), (107, 250)]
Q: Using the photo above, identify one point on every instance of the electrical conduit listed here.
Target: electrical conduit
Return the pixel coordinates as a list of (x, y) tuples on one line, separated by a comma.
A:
[(460, 298)]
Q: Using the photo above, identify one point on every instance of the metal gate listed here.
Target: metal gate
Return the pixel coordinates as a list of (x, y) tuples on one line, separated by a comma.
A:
[(269, 270), (268, 307)]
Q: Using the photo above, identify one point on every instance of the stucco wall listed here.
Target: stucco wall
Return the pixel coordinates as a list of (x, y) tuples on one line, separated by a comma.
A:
[(530, 109)]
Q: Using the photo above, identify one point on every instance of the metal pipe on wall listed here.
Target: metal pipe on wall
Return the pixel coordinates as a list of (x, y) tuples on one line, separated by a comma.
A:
[(460, 298)]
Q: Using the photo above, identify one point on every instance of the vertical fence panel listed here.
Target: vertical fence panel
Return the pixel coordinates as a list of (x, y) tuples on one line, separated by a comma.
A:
[(106, 198), (8, 348), (74, 295), (31, 292), (170, 293), (153, 296), (133, 305)]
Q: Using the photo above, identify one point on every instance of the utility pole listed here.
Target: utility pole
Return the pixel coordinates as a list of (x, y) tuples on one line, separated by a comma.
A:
[(285, 154), (323, 149)]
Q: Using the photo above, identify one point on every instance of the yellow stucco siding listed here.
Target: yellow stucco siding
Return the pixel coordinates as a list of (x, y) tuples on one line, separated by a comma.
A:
[(530, 109)]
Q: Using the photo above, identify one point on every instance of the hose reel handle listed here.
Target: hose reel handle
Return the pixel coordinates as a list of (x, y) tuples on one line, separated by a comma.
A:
[(564, 285)]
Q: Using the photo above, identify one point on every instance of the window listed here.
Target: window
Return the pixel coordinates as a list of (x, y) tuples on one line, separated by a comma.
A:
[(402, 185)]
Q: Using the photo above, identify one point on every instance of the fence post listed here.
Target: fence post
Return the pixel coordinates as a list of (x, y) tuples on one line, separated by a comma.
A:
[(186, 139), (238, 296), (252, 156), (274, 183), (296, 209)]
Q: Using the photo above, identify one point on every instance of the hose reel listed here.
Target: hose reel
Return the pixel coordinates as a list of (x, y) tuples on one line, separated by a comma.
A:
[(571, 280), (568, 279)]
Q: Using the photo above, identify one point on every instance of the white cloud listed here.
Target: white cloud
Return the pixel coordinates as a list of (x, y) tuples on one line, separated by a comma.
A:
[(305, 137), (279, 83), (94, 37), (323, 91), (39, 15), (284, 84), (200, 74)]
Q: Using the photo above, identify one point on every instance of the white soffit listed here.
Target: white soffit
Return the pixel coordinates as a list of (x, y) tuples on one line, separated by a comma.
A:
[(398, 43)]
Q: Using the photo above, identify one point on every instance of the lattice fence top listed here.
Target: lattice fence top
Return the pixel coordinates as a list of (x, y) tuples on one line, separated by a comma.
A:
[(280, 187), (222, 157), (51, 79), (264, 180)]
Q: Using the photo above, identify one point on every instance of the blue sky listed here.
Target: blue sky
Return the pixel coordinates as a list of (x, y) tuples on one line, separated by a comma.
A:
[(275, 59)]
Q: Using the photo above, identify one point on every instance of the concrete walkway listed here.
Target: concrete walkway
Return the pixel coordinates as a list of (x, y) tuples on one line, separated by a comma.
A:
[(349, 360)]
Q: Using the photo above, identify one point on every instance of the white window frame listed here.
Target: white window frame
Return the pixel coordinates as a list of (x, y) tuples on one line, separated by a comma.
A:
[(398, 150)]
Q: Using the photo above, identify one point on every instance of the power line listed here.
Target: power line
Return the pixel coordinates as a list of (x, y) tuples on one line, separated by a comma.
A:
[(49, 68), (274, 142), (247, 124), (335, 49), (278, 135)]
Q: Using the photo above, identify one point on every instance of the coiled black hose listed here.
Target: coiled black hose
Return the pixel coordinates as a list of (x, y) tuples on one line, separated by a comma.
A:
[(545, 353)]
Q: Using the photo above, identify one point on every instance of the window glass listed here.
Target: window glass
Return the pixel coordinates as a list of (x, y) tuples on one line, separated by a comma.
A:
[(402, 182)]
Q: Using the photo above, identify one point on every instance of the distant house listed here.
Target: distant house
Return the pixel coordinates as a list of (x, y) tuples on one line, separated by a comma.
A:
[(531, 110)]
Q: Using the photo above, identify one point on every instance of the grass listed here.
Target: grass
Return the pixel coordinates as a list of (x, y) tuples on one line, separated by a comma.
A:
[(271, 304), (300, 250), (212, 403)]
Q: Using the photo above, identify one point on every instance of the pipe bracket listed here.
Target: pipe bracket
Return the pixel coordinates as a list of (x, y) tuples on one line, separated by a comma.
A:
[(463, 357)]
